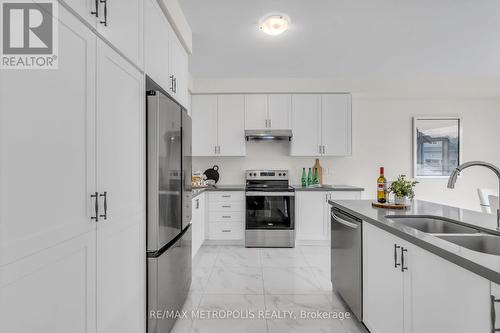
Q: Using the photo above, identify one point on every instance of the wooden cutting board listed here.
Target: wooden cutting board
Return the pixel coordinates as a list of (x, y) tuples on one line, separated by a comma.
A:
[(389, 205), (320, 171)]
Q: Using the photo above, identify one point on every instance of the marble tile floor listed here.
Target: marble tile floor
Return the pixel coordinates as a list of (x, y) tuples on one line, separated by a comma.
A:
[(263, 283)]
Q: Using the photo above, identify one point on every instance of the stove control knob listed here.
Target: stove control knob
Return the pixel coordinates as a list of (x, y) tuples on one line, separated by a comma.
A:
[(279, 174), (284, 174)]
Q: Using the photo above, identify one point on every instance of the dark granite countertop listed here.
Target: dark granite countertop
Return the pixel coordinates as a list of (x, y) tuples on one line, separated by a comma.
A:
[(328, 188), (485, 265), (197, 192)]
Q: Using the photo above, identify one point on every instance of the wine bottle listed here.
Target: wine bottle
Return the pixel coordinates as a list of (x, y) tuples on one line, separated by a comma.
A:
[(381, 187), (316, 177), (309, 178), (303, 179)]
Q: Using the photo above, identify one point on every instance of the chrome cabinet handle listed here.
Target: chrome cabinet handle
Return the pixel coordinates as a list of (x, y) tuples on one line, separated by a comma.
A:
[(197, 203), (215, 150), (226, 196), (344, 222), (105, 22), (175, 84), (96, 206), (105, 215), (494, 314), (226, 206), (226, 230), (270, 123), (403, 267), (226, 216), (96, 11), (396, 264), (171, 77), (319, 149)]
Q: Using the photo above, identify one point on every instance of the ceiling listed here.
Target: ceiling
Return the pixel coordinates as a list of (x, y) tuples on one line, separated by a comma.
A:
[(346, 39)]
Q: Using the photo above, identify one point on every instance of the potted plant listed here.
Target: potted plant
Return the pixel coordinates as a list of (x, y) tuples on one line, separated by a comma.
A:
[(403, 189)]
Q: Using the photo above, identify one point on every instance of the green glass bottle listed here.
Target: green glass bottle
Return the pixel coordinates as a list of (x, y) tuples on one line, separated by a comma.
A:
[(309, 178), (303, 179), (316, 177)]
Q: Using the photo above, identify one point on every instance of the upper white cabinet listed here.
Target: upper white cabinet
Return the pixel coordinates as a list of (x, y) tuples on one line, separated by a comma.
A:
[(120, 22), (321, 125), (336, 124), (231, 125), (218, 125), (407, 289), (204, 115), (267, 111), (178, 64), (156, 44), (256, 115), (306, 125), (280, 111)]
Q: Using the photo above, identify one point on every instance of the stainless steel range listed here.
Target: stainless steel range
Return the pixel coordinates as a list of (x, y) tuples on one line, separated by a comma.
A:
[(270, 209)]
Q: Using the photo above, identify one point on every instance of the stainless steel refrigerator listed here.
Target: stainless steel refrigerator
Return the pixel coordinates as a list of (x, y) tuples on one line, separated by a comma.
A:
[(169, 208)]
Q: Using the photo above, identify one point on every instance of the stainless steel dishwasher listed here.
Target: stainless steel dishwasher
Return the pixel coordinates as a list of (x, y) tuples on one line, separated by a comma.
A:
[(346, 257)]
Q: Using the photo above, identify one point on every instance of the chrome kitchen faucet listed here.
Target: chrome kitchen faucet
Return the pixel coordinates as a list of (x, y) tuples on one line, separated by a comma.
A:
[(453, 179)]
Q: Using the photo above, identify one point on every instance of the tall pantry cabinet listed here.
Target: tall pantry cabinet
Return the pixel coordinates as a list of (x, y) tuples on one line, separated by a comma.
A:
[(72, 203)]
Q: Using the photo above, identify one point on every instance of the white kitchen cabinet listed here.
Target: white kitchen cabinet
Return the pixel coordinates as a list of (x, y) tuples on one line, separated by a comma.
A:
[(47, 173), (444, 297), (336, 124), (226, 215), (231, 125), (178, 70), (271, 111), (280, 111), (306, 125), (383, 290), (121, 264), (431, 294), (218, 125), (321, 125), (312, 213), (198, 222), (256, 115), (204, 115), (157, 33), (120, 22)]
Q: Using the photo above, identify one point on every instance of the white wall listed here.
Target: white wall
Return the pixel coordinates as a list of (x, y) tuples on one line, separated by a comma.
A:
[(382, 136)]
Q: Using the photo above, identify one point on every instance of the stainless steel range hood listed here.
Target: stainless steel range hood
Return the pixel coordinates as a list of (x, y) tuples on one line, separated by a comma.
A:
[(268, 135)]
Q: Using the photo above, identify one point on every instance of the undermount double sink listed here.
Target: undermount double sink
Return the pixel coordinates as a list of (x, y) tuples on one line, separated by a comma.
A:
[(461, 235)]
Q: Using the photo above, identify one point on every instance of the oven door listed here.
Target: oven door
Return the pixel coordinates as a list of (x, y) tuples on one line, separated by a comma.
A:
[(270, 210)]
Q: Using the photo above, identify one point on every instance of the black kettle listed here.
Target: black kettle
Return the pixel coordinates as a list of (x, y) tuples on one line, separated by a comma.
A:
[(212, 173)]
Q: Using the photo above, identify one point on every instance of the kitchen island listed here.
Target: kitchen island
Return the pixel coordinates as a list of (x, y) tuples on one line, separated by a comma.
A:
[(417, 281)]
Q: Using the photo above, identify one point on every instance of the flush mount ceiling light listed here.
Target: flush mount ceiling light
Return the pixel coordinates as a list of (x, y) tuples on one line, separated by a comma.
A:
[(274, 24)]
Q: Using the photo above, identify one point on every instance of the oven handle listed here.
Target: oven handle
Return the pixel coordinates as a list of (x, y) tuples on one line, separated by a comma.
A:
[(344, 222), (270, 194)]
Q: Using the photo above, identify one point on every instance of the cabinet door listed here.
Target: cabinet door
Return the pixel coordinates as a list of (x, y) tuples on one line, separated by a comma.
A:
[(280, 110), (306, 113), (336, 124), (231, 125), (47, 173), (156, 44), (198, 223), (47, 147), (204, 115), (311, 215), (123, 27), (382, 282), (87, 9), (444, 297), (121, 249), (178, 69), (256, 116)]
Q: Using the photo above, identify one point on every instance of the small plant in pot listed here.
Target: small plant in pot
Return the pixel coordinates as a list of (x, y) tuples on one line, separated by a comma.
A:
[(403, 189)]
